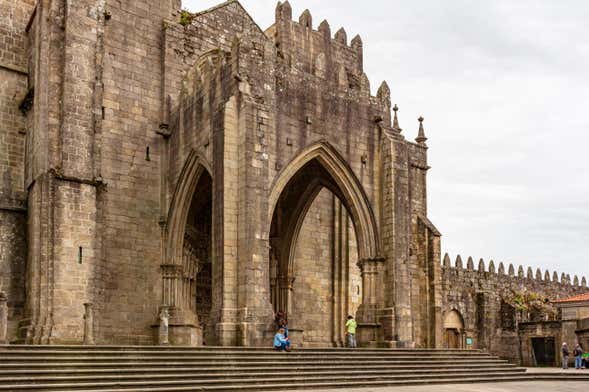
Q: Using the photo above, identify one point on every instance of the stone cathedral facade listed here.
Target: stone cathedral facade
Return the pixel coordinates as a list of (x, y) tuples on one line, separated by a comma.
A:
[(155, 159)]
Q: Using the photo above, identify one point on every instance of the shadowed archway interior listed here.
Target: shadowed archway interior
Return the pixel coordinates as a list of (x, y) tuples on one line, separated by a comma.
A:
[(197, 251), (314, 251)]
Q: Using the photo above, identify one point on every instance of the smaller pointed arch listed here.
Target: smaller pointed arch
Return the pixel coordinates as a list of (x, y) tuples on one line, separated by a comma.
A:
[(538, 274), (576, 280), (481, 265), (583, 282), (547, 276), (563, 278), (458, 263), (555, 277), (470, 264), (511, 270), (447, 263), (520, 272), (491, 266), (568, 279)]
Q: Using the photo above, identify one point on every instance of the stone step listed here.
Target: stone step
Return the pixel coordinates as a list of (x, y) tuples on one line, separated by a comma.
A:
[(267, 351), (275, 382), (204, 364), (93, 348), (111, 368), (228, 374), (217, 358), (246, 369)]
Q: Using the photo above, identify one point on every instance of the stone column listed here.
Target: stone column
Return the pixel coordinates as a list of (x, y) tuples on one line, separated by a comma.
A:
[(368, 328), (163, 333), (178, 283), (88, 324), (3, 318)]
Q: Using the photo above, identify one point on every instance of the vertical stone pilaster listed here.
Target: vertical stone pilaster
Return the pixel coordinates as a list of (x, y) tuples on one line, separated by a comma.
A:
[(3, 318), (88, 324), (396, 315), (369, 330)]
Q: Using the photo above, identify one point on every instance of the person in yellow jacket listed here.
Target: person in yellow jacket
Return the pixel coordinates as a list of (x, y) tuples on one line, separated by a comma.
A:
[(351, 326)]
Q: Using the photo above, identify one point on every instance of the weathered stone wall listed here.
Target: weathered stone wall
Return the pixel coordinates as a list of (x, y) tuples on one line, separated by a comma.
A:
[(324, 293), (12, 266), (481, 296), (130, 158), (14, 17), (127, 99)]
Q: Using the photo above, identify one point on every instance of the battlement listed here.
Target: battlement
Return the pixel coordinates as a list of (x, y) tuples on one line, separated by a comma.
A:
[(299, 40), (565, 279)]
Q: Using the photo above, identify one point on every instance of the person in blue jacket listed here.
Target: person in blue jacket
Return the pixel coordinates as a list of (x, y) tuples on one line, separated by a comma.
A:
[(281, 342)]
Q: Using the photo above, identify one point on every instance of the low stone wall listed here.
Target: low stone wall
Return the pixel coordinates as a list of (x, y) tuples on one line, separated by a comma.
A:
[(481, 296)]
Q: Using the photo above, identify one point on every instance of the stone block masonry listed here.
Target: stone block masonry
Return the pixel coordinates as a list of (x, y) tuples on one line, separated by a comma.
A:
[(492, 299), (153, 159)]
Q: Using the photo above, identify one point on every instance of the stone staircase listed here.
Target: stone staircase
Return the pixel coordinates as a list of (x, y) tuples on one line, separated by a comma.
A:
[(134, 368)]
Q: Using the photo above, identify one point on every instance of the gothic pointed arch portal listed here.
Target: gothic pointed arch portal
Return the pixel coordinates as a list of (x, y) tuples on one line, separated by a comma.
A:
[(187, 267), (318, 201)]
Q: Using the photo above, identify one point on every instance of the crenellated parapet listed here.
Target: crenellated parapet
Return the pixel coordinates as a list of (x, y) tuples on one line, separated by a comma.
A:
[(517, 274), (298, 39)]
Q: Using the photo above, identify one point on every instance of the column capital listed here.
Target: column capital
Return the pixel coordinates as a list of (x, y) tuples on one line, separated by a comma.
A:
[(370, 262)]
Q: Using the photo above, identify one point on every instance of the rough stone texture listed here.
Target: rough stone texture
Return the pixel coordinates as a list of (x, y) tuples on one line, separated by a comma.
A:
[(216, 171), (14, 16), (327, 284), (481, 297)]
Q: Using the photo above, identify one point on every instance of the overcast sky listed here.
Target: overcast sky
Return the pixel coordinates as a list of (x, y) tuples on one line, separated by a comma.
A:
[(504, 89)]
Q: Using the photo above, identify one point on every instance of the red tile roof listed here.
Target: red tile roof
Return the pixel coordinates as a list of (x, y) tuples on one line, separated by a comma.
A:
[(574, 298)]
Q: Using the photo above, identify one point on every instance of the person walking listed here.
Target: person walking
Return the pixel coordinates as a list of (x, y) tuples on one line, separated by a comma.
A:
[(281, 342), (578, 353), (351, 326), (565, 356)]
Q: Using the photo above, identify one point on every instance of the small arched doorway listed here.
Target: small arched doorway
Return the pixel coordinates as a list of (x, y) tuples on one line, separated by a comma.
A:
[(454, 330)]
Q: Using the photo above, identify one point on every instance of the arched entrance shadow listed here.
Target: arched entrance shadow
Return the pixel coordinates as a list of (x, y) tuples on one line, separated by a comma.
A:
[(184, 259), (317, 167)]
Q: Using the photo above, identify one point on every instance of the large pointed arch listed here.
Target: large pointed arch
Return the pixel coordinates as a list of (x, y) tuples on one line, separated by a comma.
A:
[(191, 173), (344, 184)]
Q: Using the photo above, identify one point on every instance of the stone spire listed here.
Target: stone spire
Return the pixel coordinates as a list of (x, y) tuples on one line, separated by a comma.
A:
[(421, 139), (396, 126)]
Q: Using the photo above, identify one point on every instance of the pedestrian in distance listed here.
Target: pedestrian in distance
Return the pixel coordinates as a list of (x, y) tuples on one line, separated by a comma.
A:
[(578, 354), (351, 326), (565, 356), (281, 343)]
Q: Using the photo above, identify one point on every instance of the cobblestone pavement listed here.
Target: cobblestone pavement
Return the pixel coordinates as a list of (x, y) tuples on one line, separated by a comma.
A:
[(535, 386)]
